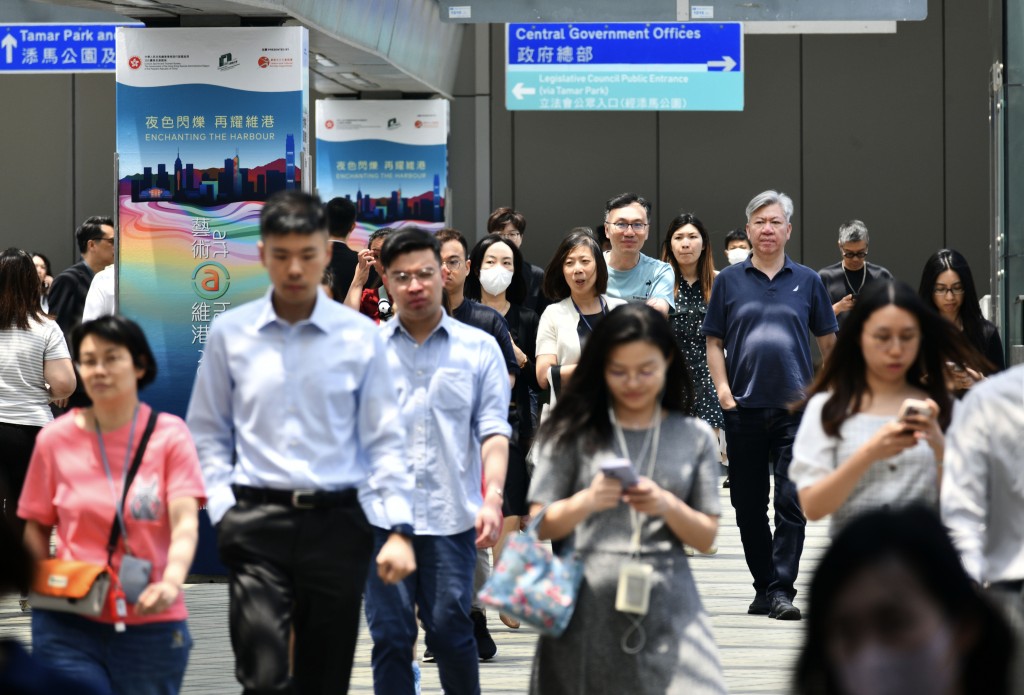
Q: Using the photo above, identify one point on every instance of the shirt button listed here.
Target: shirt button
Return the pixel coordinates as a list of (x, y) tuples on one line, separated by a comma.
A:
[(419, 372)]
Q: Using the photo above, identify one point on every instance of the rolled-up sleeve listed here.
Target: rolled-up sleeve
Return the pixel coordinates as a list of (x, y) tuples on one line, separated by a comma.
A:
[(494, 393)]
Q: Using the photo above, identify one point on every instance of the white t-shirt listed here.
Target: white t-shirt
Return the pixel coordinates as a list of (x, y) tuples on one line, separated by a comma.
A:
[(24, 399)]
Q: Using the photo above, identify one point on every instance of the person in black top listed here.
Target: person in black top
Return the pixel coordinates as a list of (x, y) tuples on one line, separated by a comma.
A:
[(341, 219), (95, 238), (852, 275), (510, 225)]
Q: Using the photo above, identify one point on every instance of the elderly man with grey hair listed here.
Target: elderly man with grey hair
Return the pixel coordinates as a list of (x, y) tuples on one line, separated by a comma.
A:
[(852, 275), (757, 324)]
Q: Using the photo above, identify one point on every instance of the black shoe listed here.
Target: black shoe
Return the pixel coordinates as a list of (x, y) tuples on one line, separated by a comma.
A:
[(759, 606), (428, 656), (783, 609), (726, 484), (485, 646)]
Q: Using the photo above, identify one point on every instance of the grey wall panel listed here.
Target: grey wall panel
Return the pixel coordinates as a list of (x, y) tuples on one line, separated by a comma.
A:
[(712, 164), (567, 165), (37, 183), (95, 143), (873, 143), (502, 141)]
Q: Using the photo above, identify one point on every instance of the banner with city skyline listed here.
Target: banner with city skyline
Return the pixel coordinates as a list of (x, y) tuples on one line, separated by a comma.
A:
[(390, 158), (210, 122)]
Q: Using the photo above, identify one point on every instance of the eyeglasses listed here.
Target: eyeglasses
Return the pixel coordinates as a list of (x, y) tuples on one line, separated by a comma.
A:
[(510, 236), (635, 226), (106, 238), (424, 275), (452, 263), (773, 223), (855, 254), (942, 290)]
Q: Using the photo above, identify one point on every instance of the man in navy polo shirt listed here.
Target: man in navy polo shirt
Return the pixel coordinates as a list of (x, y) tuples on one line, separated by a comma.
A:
[(759, 355)]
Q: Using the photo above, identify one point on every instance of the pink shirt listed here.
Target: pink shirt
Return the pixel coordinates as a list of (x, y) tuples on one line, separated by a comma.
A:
[(67, 487)]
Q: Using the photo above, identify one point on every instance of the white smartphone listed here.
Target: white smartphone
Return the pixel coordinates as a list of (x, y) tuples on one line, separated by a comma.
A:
[(622, 470), (914, 406)]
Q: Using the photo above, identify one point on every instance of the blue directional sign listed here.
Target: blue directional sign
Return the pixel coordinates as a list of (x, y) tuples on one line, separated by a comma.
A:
[(35, 48), (666, 66)]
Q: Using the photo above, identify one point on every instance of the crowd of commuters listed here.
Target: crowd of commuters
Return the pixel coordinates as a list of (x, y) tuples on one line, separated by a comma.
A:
[(375, 452)]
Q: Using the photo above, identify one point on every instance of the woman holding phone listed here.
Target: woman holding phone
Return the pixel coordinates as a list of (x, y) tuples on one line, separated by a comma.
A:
[(872, 430), (623, 412)]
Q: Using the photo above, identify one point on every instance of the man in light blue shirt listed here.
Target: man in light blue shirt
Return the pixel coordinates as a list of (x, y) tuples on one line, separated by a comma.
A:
[(295, 418), (632, 275), (453, 391)]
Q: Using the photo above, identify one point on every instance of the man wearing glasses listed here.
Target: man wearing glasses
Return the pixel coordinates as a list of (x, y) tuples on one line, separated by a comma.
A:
[(759, 356), (453, 395), (510, 225), (632, 275), (95, 239), (853, 275)]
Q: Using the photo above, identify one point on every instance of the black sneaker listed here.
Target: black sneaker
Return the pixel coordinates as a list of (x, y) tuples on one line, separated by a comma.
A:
[(760, 605), (485, 646), (783, 609), (428, 656), (726, 484)]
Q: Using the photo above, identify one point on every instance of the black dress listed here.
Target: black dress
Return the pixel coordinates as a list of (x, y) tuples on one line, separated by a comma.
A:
[(686, 323), (522, 324)]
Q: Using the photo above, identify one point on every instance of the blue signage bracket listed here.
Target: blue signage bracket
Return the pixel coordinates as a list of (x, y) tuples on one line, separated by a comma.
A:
[(56, 48), (667, 66)]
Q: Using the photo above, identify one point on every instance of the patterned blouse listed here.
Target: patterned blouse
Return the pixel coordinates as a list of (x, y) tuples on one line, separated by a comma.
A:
[(686, 323)]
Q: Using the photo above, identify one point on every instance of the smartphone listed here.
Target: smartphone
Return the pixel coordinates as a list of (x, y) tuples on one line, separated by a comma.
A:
[(913, 406), (622, 470)]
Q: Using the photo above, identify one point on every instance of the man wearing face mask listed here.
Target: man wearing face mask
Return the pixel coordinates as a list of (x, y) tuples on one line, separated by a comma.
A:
[(853, 275), (737, 246)]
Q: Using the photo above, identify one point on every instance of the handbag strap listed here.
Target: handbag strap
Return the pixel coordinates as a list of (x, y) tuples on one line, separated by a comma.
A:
[(115, 530)]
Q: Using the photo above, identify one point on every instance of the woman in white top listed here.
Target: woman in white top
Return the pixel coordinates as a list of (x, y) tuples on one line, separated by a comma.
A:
[(35, 369), (577, 279), (852, 452)]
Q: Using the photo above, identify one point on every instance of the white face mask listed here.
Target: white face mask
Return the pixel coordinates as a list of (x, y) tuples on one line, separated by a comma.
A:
[(495, 279), (880, 670), (737, 255)]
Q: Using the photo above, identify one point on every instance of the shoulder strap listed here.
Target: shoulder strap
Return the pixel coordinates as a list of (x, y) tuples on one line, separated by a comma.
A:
[(115, 530)]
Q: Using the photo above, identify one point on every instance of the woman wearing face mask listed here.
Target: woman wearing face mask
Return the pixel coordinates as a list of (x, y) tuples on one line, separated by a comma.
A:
[(893, 612), (496, 279)]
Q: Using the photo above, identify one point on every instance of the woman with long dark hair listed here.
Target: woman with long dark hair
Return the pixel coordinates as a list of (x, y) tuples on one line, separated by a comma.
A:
[(893, 612), (853, 452), (42, 264), (497, 279), (947, 284), (687, 248), (35, 370), (628, 399)]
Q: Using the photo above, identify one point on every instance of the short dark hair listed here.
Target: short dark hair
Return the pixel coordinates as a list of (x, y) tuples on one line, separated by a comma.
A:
[(555, 287), (406, 240), (341, 215), (19, 290), (739, 234), (91, 229), (381, 233), (121, 331), (516, 292), (502, 216), (624, 199), (291, 212), (449, 234)]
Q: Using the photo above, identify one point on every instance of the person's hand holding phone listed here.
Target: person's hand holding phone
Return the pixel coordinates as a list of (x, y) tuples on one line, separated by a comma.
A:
[(920, 418), (605, 492), (647, 497)]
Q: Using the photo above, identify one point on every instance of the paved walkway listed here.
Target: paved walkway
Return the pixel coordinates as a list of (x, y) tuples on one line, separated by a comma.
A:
[(757, 653)]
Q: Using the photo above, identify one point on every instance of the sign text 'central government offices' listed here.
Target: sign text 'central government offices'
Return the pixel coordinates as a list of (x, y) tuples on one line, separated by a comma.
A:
[(624, 67)]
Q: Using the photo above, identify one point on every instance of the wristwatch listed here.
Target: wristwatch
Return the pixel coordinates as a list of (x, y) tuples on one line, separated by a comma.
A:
[(498, 491), (404, 530)]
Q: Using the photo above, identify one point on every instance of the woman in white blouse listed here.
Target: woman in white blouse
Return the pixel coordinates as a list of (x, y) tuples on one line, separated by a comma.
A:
[(577, 278), (853, 452)]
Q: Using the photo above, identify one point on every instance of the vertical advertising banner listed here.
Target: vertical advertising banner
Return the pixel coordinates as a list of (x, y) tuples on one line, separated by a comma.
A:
[(210, 123), (390, 158)]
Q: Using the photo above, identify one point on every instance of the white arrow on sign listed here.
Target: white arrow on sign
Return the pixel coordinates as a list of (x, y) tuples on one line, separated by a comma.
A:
[(8, 45), (520, 90), (727, 63)]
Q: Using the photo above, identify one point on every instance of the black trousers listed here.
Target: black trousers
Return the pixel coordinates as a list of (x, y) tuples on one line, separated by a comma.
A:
[(16, 445), (301, 568)]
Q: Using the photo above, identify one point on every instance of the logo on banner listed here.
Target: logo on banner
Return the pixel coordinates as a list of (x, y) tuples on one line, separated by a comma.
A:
[(393, 123), (329, 124), (226, 62), (211, 280), (263, 61), (135, 62)]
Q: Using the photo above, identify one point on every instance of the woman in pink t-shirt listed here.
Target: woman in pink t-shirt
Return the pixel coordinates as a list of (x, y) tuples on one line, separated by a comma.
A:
[(75, 481)]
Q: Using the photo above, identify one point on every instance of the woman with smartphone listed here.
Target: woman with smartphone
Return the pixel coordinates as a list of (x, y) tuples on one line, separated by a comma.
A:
[(610, 473), (872, 430)]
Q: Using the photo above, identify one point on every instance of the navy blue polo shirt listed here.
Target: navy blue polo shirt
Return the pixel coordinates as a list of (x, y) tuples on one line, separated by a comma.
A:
[(764, 327)]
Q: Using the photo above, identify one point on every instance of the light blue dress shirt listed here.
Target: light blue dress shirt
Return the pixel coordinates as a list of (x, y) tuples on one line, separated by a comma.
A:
[(309, 405), (453, 391)]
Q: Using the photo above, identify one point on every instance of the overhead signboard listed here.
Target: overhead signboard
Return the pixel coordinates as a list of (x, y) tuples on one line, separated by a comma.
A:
[(52, 48), (668, 66)]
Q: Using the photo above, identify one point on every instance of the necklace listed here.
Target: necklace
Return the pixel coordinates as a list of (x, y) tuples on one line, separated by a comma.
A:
[(863, 277)]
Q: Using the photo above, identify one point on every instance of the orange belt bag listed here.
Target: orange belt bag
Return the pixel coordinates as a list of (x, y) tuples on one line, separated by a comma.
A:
[(70, 586)]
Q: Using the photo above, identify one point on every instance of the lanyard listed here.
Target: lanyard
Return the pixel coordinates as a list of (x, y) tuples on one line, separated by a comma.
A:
[(124, 473), (650, 442), (604, 311)]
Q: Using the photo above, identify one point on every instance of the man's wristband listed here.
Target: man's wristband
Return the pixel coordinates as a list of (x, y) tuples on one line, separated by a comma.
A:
[(404, 530)]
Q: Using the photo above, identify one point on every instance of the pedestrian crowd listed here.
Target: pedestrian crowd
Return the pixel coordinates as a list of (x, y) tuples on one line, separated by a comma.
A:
[(372, 434)]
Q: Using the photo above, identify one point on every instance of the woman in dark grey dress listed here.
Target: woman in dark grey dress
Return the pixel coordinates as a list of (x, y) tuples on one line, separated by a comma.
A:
[(627, 400)]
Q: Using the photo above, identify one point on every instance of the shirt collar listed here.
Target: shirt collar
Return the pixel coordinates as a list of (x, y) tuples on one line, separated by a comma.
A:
[(786, 265), (318, 318), (395, 326)]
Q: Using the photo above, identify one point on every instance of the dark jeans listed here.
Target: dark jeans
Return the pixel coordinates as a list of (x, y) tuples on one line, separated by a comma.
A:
[(16, 443), (760, 441), (301, 568), (441, 587)]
